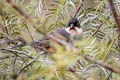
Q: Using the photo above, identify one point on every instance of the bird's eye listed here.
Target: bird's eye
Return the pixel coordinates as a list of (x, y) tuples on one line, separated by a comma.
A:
[(74, 24)]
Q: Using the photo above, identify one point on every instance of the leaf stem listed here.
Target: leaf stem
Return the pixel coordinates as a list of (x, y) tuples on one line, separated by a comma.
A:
[(110, 46)]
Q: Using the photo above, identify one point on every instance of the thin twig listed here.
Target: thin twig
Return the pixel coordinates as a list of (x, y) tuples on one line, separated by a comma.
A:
[(13, 39), (109, 75), (23, 63), (32, 61), (96, 31), (110, 46), (19, 52), (25, 16), (4, 28), (17, 9), (14, 63), (31, 37), (78, 9)]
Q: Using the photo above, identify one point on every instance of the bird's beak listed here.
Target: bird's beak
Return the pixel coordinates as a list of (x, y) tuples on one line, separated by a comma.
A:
[(71, 26)]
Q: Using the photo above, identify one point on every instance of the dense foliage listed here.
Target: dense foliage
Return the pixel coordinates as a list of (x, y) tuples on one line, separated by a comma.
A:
[(98, 57)]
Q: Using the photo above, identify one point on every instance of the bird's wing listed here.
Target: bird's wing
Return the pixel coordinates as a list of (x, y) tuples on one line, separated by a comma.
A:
[(64, 34), (45, 44)]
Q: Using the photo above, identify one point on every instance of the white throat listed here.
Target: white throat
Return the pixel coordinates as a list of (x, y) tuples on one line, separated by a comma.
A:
[(77, 31)]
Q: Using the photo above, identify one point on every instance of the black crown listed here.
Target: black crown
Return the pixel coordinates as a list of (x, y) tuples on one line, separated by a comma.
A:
[(73, 21)]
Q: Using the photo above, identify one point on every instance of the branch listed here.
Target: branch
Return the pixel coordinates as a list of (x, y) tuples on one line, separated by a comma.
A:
[(114, 14), (110, 46), (78, 9), (26, 66), (25, 16), (13, 39), (14, 63), (96, 31), (17, 9), (109, 67), (16, 51), (67, 45)]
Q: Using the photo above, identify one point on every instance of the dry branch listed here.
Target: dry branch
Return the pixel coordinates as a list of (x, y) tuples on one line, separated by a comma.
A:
[(109, 67), (115, 15)]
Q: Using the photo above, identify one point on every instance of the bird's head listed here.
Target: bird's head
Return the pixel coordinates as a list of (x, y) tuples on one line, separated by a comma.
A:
[(73, 27), (73, 23)]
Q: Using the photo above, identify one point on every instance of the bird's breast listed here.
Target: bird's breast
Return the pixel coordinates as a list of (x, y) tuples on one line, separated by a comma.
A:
[(75, 33)]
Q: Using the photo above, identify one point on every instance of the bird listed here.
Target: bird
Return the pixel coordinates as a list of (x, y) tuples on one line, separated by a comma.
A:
[(72, 31)]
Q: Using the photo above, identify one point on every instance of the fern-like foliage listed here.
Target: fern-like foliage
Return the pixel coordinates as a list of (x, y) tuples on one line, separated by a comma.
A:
[(44, 16)]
